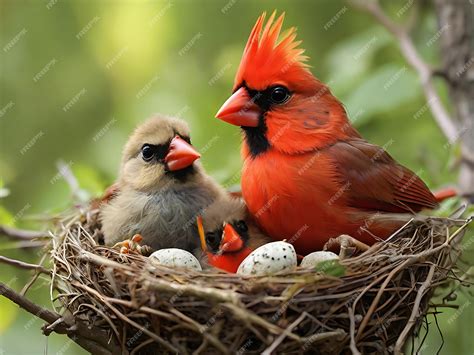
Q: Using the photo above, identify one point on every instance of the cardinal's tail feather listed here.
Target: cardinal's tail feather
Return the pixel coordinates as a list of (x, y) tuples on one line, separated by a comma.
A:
[(445, 193)]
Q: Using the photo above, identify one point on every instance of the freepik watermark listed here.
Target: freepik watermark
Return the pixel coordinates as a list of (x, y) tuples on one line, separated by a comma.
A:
[(74, 100), (31, 142), (335, 18), (15, 40)]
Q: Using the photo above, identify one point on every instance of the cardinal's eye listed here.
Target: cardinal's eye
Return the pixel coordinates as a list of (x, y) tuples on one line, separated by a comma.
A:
[(279, 94), (241, 226), (147, 152)]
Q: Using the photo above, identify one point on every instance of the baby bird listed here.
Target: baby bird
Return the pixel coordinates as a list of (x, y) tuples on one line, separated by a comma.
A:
[(227, 234), (161, 188)]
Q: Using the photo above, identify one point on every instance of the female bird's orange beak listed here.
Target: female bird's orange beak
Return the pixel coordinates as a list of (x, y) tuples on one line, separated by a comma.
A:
[(240, 110), (231, 240), (180, 155)]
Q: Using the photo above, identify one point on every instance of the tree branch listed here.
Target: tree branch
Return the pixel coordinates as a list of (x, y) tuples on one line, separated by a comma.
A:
[(27, 305), (457, 56), (441, 116), (23, 265), (92, 339), (21, 234)]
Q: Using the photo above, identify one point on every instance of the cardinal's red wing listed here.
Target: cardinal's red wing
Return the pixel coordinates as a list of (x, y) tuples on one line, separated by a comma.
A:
[(373, 180)]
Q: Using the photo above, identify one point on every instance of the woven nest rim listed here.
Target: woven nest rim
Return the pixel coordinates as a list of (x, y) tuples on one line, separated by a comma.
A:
[(376, 305)]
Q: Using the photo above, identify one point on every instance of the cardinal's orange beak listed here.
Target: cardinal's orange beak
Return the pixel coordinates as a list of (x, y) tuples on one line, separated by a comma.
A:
[(231, 240), (240, 110), (180, 155)]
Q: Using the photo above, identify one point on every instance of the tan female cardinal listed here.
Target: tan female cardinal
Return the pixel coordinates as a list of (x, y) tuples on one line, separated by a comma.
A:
[(308, 175), (161, 188)]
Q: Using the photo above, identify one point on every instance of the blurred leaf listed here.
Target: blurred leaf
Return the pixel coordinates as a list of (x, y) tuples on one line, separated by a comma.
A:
[(89, 179), (9, 312), (6, 217), (331, 268), (386, 89), (4, 192), (350, 59)]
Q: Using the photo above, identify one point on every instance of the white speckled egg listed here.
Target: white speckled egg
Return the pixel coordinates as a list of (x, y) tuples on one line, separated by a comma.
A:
[(310, 260), (269, 259), (174, 257)]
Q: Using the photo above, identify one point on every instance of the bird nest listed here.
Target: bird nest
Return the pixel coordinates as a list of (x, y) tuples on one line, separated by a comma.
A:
[(373, 303)]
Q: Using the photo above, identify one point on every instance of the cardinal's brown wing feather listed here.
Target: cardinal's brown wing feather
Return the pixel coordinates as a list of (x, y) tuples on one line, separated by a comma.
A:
[(373, 180)]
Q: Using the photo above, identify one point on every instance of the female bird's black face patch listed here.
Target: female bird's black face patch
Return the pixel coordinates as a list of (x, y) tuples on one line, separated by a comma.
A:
[(152, 153), (156, 153)]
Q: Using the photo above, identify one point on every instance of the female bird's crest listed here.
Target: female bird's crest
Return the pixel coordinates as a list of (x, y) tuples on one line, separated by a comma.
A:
[(267, 59)]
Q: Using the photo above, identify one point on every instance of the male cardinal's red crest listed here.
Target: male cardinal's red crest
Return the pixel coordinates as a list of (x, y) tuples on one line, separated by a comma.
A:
[(267, 57)]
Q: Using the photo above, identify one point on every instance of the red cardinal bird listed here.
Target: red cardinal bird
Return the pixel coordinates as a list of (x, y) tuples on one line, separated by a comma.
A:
[(308, 175), (227, 233)]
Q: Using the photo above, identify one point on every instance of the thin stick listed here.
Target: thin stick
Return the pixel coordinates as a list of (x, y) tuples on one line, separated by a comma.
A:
[(21, 234), (66, 172), (23, 265), (283, 335), (408, 49), (376, 300), (152, 335), (352, 332), (87, 337), (145, 343), (414, 313), (27, 305)]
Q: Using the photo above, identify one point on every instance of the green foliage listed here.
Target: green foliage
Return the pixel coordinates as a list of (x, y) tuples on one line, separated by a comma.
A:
[(330, 268), (9, 313)]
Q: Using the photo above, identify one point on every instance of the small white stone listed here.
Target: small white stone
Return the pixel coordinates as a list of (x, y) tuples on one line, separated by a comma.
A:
[(174, 257), (311, 260), (269, 259)]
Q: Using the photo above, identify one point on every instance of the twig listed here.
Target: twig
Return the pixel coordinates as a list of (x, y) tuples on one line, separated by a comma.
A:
[(90, 338), (21, 234), (36, 275), (27, 305), (142, 345), (23, 265), (71, 180), (414, 313), (283, 335), (152, 335), (444, 121), (202, 329), (376, 300), (353, 344)]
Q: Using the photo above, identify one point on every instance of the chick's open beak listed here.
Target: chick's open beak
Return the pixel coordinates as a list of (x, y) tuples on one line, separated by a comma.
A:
[(231, 240), (240, 110), (180, 155)]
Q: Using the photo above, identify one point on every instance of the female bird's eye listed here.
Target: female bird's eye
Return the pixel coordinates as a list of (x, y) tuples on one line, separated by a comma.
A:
[(279, 94), (147, 152), (241, 226)]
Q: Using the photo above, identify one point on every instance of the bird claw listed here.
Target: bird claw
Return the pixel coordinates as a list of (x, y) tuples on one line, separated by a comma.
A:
[(346, 244), (133, 245)]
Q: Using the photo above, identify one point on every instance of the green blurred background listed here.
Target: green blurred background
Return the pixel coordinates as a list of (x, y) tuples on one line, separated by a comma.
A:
[(78, 75)]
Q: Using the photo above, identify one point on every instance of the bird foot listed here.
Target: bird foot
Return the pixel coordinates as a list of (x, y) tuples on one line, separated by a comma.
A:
[(133, 245), (347, 245)]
